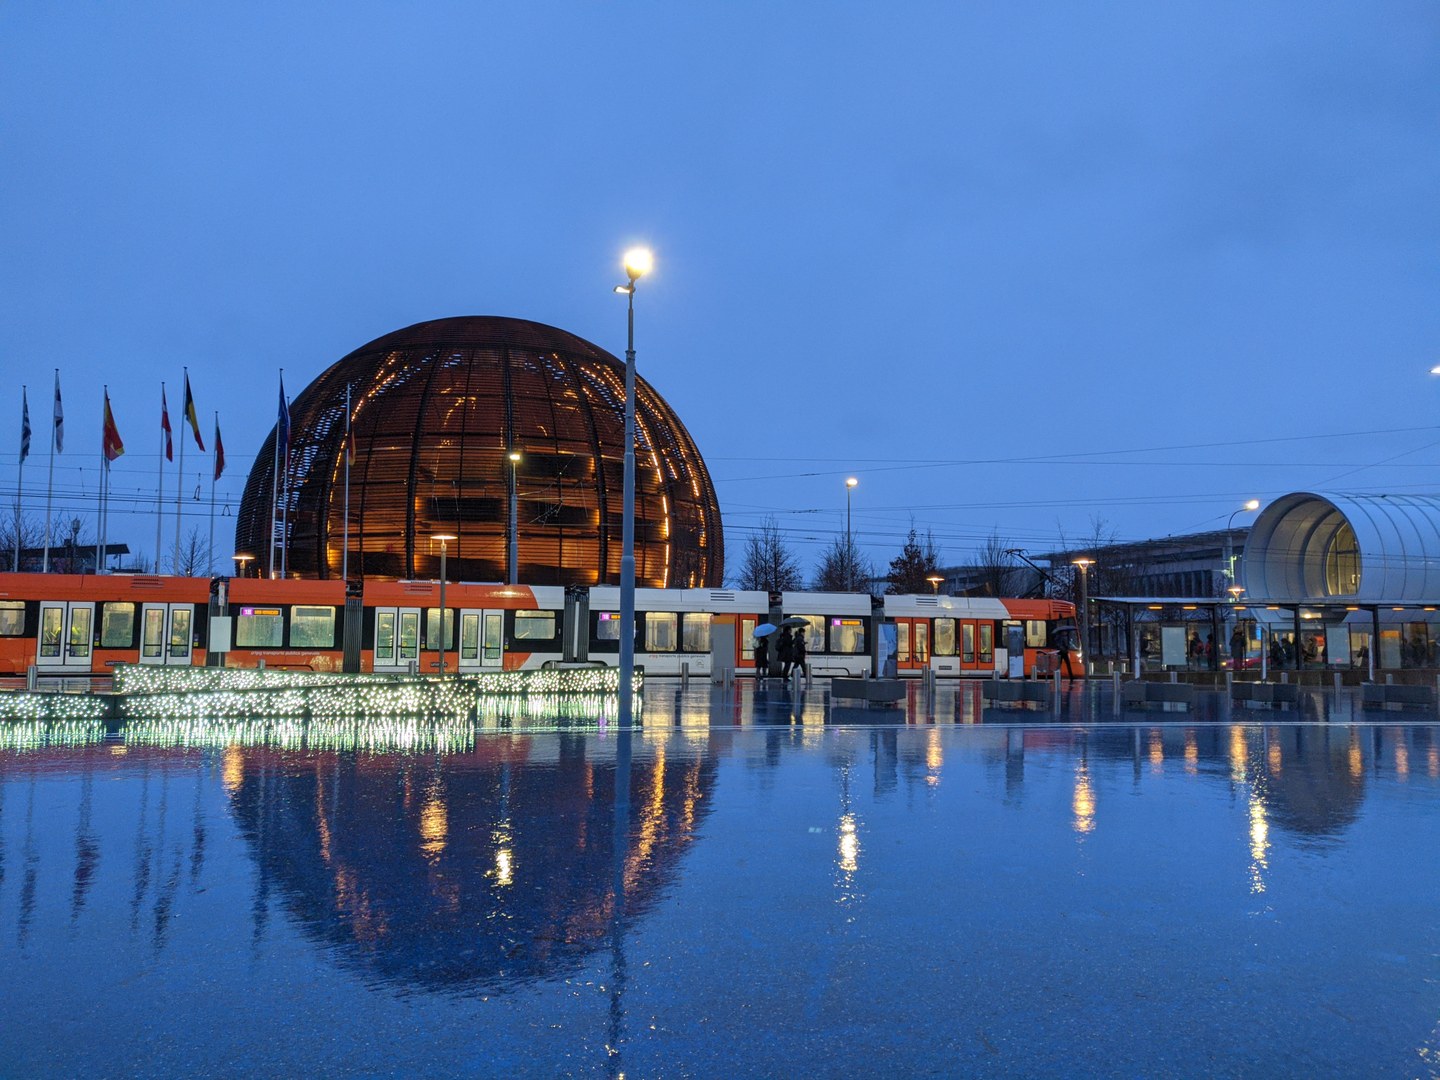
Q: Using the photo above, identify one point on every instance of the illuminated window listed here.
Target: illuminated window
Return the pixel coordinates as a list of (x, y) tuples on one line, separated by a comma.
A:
[(1035, 637), (695, 632), (607, 626), (987, 643), (944, 637), (12, 618), (432, 628), (847, 636), (259, 628), (117, 625), (967, 637), (922, 643), (535, 626), (902, 642), (1342, 563), (312, 627), (660, 631)]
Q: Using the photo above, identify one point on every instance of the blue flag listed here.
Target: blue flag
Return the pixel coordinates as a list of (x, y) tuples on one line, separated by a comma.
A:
[(282, 426)]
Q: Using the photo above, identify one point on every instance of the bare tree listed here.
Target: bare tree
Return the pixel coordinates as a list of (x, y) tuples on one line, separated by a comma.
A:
[(31, 532), (194, 555), (911, 570), (996, 568), (769, 564), (843, 568)]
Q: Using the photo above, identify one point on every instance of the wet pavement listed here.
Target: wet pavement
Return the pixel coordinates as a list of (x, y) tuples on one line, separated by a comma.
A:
[(749, 885)]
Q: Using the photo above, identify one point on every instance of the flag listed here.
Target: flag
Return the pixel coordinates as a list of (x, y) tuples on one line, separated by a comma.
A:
[(219, 452), (190, 413), (165, 426), (282, 425), (59, 417), (110, 442), (24, 427)]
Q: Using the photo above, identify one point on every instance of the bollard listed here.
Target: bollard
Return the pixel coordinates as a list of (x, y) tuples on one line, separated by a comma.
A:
[(260, 664), (32, 678), (1338, 685), (796, 682), (1285, 677), (685, 675), (1390, 680), (1174, 676), (414, 667), (1229, 681)]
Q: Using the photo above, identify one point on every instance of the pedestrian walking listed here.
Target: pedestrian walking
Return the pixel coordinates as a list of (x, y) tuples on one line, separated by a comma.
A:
[(762, 658), (797, 653), (783, 651)]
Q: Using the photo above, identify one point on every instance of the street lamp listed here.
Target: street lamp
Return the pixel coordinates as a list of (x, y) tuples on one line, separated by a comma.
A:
[(1084, 564), (850, 485), (241, 560), (935, 580), (444, 539), (513, 554), (637, 263), (1252, 504)]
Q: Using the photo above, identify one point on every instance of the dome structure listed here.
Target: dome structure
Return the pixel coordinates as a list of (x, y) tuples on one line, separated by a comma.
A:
[(1360, 548), (436, 411)]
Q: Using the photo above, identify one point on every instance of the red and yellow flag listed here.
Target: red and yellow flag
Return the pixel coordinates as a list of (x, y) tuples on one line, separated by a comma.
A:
[(110, 442)]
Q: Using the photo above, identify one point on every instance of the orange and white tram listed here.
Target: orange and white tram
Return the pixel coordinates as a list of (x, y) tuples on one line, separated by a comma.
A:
[(65, 624)]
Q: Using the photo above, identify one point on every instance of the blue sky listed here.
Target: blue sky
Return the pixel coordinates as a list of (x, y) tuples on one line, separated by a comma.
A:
[(1018, 268)]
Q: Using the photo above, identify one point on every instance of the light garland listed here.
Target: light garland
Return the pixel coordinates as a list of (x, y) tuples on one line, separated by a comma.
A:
[(21, 705)]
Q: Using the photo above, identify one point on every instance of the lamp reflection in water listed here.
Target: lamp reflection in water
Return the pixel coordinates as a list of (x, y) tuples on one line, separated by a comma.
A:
[(1082, 801)]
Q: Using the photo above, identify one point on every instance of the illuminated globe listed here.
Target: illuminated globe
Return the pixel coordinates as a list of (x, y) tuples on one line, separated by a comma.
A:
[(436, 410)]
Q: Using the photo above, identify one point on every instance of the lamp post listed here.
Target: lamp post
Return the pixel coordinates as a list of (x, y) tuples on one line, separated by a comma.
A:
[(513, 557), (637, 263), (850, 485), (444, 539), (935, 580), (240, 561), (1251, 504), (1084, 564)]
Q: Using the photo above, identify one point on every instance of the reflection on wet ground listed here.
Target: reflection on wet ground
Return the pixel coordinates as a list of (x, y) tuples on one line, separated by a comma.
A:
[(749, 885)]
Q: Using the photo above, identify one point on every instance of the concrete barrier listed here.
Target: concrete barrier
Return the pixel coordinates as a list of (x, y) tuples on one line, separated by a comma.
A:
[(1396, 695), (873, 690), (1139, 695), (1281, 695), (1015, 691)]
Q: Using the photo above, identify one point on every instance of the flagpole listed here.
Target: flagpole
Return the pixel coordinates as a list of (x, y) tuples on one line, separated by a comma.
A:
[(210, 550), (20, 481), (160, 481), (275, 481), (180, 476), (50, 483), (345, 549)]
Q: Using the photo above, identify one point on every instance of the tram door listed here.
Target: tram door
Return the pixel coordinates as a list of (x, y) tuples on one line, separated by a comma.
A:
[(66, 634), (165, 633), (912, 646), (397, 638), (482, 640)]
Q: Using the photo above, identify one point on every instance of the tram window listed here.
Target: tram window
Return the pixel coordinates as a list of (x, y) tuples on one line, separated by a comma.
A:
[(259, 628), (814, 631), (432, 628), (987, 643), (1035, 637), (847, 636), (902, 642), (967, 638), (660, 631), (695, 632), (922, 643), (535, 625), (12, 618), (117, 625), (944, 637), (51, 619), (180, 630), (312, 627), (607, 626), (80, 631)]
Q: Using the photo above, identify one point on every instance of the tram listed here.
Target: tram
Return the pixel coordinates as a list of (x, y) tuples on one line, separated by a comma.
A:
[(64, 624)]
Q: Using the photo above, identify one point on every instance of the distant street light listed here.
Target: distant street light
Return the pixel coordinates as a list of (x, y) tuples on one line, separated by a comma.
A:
[(444, 539), (1084, 564), (240, 561), (935, 580), (638, 262), (1252, 504), (850, 485)]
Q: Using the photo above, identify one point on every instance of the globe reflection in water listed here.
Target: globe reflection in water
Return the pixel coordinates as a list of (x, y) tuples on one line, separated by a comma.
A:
[(497, 867)]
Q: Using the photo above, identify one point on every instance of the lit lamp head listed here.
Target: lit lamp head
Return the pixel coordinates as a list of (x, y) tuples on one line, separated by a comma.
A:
[(240, 561), (1083, 564), (444, 538), (851, 482), (935, 580), (1235, 591), (514, 457), (638, 262), (1253, 504)]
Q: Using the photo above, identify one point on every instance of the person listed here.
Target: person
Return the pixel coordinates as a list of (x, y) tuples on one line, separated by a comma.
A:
[(1237, 648), (762, 658), (1277, 654), (797, 653), (782, 651), (1065, 644), (1193, 647)]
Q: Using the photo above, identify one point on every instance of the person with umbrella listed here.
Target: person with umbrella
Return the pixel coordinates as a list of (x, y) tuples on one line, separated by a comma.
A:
[(762, 650), (782, 651), (797, 653)]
